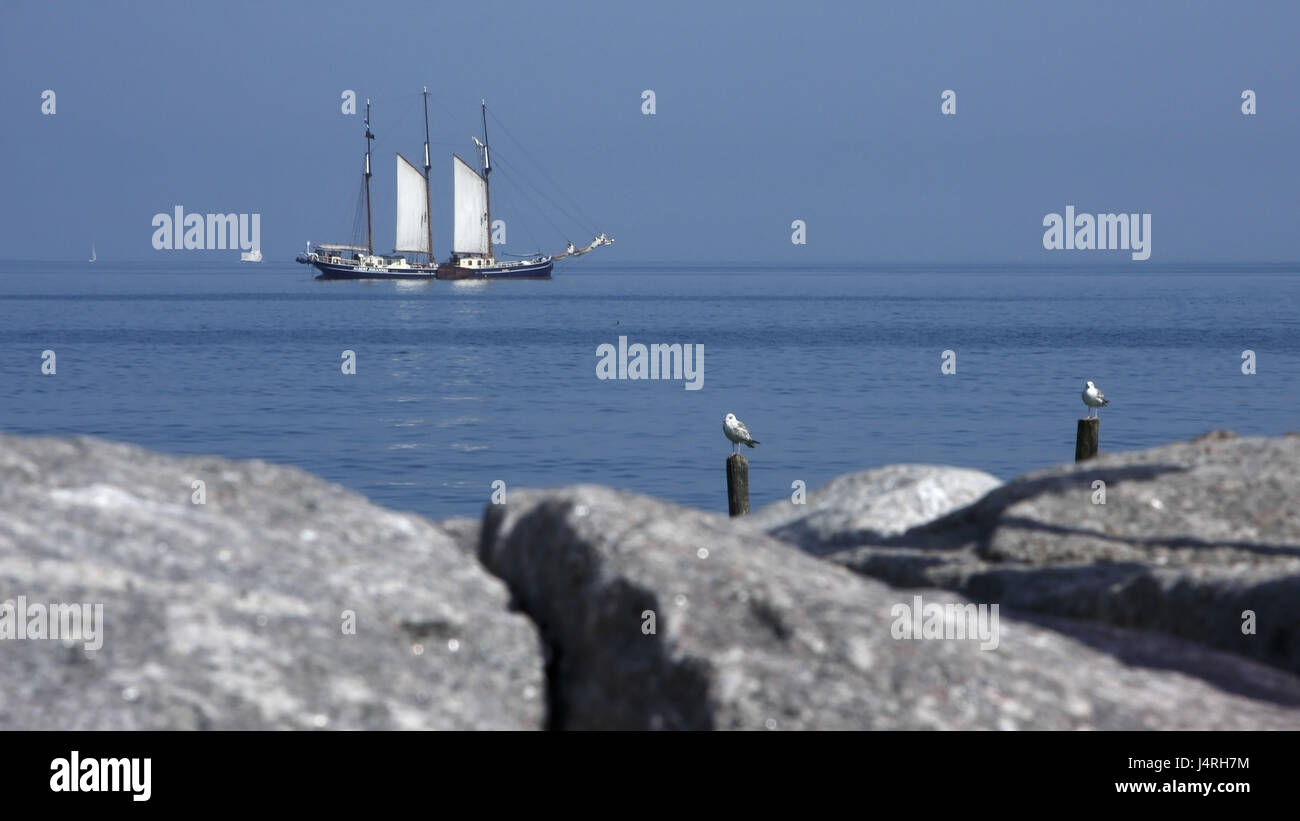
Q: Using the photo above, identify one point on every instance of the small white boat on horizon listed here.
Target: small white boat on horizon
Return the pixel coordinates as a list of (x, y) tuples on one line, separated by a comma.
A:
[(93, 256), (254, 255)]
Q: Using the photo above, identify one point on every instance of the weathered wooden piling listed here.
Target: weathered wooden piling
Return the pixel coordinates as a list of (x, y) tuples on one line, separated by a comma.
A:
[(1087, 439), (737, 485)]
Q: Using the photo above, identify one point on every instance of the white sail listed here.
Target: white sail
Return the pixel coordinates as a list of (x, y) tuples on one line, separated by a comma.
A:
[(412, 209), (471, 211)]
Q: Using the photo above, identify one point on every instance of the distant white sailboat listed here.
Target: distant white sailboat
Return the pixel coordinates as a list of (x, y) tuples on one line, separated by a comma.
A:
[(93, 257), (254, 255)]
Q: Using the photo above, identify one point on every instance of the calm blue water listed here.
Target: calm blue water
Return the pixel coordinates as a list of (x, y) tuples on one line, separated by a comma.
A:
[(458, 385)]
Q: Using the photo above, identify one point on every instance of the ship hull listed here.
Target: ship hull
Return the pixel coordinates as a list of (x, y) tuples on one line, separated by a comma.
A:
[(532, 270), (333, 270)]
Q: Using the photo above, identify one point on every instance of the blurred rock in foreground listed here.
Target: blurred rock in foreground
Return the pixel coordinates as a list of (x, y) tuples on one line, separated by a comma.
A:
[(749, 633), (1196, 539), (872, 506), (605, 609), (231, 614)]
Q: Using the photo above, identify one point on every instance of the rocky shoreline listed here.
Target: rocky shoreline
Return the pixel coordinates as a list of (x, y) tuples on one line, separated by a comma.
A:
[(274, 600)]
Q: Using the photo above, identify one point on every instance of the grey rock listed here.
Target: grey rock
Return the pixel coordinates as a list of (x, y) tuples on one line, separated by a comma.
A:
[(750, 632), (1191, 536), (464, 533), (872, 506), (231, 614)]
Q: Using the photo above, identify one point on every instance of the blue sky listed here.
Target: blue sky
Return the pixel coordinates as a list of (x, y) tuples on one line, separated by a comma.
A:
[(765, 113)]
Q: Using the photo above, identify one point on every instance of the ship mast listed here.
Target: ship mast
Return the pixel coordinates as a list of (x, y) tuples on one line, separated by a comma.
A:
[(428, 197), (370, 241), (487, 188)]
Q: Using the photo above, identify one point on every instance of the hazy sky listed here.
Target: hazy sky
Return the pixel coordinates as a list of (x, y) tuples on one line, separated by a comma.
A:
[(765, 113)]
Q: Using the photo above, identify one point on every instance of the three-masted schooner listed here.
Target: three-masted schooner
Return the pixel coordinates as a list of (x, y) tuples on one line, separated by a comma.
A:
[(471, 256)]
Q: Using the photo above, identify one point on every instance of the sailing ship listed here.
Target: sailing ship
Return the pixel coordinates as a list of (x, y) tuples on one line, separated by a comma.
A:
[(93, 256), (471, 255)]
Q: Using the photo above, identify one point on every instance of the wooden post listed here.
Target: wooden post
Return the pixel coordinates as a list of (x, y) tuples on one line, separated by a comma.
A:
[(1087, 439), (737, 485)]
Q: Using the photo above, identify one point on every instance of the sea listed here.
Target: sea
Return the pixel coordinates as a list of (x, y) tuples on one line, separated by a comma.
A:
[(461, 389)]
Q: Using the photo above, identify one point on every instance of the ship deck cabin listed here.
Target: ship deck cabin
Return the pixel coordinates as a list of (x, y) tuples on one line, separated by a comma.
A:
[(475, 261)]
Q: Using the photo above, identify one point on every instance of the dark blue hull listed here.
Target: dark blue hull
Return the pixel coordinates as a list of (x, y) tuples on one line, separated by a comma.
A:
[(332, 270), (531, 270)]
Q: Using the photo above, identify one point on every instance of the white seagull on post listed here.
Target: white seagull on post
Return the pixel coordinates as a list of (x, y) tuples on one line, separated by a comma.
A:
[(736, 431), (1093, 398)]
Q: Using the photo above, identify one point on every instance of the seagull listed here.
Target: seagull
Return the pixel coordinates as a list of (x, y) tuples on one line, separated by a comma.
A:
[(1093, 398), (736, 431)]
